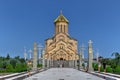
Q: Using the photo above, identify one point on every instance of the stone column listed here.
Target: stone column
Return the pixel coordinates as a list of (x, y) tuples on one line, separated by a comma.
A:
[(48, 61), (43, 60), (72, 61), (75, 61), (69, 63), (80, 58), (90, 56), (51, 61), (80, 61), (35, 57), (97, 57)]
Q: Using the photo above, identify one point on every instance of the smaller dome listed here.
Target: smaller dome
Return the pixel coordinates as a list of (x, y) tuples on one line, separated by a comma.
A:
[(61, 18)]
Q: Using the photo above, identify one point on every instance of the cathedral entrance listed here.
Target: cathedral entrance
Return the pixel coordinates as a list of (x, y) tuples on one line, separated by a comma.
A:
[(61, 58), (60, 63)]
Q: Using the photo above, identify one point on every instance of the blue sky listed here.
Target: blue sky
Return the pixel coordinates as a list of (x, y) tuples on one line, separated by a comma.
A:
[(22, 22)]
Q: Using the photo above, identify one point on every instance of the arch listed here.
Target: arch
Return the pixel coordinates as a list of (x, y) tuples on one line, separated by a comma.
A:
[(61, 59)]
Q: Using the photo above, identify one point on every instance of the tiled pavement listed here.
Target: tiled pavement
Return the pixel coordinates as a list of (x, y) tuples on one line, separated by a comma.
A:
[(63, 74)]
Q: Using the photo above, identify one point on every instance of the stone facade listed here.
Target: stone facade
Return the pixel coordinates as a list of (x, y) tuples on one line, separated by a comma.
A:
[(35, 57), (61, 46)]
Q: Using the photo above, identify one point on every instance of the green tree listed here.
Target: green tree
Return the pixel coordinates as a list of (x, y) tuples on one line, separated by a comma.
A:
[(117, 58), (1, 58), (22, 60), (17, 57), (106, 60), (1, 66), (4, 64), (117, 70), (8, 57), (13, 62)]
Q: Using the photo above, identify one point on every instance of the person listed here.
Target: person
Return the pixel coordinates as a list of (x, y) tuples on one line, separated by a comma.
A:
[(60, 65), (63, 65), (99, 65), (104, 67), (29, 73)]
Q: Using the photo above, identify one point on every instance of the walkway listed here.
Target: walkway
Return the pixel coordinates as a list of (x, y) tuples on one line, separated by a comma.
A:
[(63, 74)]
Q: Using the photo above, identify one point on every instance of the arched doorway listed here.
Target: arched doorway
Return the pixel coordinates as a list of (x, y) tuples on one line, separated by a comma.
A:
[(61, 59), (62, 62)]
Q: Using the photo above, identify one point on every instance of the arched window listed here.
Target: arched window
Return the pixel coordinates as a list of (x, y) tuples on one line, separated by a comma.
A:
[(64, 28), (62, 46), (61, 37), (61, 28), (57, 28)]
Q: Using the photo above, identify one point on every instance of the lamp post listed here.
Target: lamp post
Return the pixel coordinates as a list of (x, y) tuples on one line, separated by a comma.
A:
[(25, 54), (25, 57), (29, 68), (30, 60), (30, 54), (81, 55), (40, 48), (43, 59)]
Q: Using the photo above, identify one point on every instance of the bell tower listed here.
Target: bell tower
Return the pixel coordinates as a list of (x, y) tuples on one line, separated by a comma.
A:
[(61, 24)]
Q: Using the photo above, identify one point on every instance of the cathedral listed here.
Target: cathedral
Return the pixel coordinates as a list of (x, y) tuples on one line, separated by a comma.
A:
[(61, 47)]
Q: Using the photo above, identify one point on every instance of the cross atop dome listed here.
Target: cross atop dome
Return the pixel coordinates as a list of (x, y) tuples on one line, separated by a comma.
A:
[(60, 11), (90, 42)]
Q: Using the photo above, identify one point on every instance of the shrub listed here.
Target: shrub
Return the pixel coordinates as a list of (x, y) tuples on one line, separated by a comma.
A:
[(113, 65), (101, 69), (109, 69), (2, 70), (95, 66), (18, 68), (39, 65), (117, 70), (24, 67), (13, 62), (1, 66), (9, 68), (83, 64), (4, 64)]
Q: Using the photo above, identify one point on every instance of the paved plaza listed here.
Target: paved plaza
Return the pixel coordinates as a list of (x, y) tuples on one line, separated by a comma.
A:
[(63, 74)]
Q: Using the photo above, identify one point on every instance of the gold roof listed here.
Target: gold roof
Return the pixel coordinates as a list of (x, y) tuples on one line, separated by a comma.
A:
[(61, 18)]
